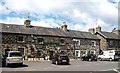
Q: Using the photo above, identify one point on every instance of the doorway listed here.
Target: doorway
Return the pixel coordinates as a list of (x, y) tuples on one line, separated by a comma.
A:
[(21, 50)]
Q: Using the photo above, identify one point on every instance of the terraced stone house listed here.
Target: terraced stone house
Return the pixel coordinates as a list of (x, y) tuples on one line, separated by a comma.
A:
[(108, 40), (41, 40)]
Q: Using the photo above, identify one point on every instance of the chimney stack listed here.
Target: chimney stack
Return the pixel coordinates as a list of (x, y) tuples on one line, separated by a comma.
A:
[(92, 30), (27, 22), (98, 29), (64, 26), (116, 31)]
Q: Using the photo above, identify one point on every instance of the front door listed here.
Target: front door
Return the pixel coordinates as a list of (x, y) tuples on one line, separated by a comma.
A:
[(21, 50), (51, 54)]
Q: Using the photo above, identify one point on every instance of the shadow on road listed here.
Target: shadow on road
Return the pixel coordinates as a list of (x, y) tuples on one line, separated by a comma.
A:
[(17, 66)]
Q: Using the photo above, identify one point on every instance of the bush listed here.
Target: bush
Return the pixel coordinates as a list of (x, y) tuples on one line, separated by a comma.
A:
[(30, 55)]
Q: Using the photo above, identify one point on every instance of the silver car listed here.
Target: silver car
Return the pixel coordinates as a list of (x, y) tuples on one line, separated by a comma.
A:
[(14, 57)]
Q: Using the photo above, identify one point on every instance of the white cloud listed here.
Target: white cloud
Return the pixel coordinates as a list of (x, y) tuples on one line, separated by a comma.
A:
[(40, 23), (13, 20), (20, 21), (78, 11)]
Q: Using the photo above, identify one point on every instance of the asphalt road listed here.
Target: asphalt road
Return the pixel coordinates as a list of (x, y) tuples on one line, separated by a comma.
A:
[(76, 65)]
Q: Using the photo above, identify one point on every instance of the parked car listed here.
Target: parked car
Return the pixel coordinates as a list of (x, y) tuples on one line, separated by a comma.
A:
[(60, 59), (109, 55), (13, 57), (89, 57)]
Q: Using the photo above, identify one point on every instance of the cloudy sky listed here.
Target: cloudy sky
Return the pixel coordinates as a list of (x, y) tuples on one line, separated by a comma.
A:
[(79, 15)]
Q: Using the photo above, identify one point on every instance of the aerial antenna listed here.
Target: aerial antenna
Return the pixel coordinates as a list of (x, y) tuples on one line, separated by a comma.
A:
[(28, 16), (96, 22), (27, 21)]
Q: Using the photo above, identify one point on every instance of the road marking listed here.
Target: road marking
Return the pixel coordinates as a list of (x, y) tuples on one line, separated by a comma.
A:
[(111, 69), (116, 70)]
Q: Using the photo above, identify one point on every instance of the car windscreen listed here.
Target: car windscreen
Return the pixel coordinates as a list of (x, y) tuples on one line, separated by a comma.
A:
[(65, 57), (91, 55), (15, 54), (117, 53)]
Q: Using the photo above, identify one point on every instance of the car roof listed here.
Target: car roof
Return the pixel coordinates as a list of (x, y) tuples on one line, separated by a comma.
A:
[(13, 51), (62, 54)]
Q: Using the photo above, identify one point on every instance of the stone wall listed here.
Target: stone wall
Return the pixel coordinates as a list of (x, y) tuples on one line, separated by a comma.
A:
[(30, 43), (105, 45)]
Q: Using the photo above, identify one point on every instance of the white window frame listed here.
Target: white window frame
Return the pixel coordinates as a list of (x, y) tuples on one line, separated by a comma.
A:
[(77, 40), (94, 43)]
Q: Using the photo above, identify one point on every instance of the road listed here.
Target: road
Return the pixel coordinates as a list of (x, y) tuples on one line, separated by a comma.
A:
[(76, 65)]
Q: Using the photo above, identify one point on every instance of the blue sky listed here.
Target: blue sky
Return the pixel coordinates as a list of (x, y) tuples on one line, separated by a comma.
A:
[(79, 15)]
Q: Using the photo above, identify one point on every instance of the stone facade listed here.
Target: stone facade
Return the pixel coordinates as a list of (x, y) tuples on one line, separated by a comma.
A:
[(108, 40), (39, 41), (103, 43), (29, 43)]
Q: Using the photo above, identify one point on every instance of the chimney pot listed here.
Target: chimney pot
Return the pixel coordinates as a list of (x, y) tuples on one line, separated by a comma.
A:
[(92, 30), (98, 29), (64, 26)]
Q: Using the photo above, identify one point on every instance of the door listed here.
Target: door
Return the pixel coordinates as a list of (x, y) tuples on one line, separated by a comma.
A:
[(77, 53), (6, 50), (21, 50), (51, 55)]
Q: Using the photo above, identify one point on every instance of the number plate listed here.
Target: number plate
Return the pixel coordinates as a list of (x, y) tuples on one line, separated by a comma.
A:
[(15, 59), (63, 60)]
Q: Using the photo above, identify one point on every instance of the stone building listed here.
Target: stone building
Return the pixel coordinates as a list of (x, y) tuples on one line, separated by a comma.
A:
[(41, 40), (108, 40)]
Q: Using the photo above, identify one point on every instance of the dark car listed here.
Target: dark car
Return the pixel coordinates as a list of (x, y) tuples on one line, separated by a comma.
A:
[(89, 57), (60, 59)]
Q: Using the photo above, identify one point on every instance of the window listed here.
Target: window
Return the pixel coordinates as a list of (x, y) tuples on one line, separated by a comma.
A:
[(20, 38), (15, 54), (119, 44), (40, 40), (76, 41), (93, 43), (111, 43), (62, 41)]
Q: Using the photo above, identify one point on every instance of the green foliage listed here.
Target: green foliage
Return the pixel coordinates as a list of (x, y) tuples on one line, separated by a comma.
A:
[(48, 54), (30, 55)]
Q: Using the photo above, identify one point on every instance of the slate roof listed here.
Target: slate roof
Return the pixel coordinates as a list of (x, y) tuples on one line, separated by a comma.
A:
[(13, 28), (109, 35)]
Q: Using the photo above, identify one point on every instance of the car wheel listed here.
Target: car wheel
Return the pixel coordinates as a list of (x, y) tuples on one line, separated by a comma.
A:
[(110, 59), (56, 62), (21, 64), (51, 62), (99, 59), (82, 59), (90, 60)]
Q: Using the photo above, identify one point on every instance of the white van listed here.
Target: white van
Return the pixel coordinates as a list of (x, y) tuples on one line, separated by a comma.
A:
[(109, 55), (14, 57)]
